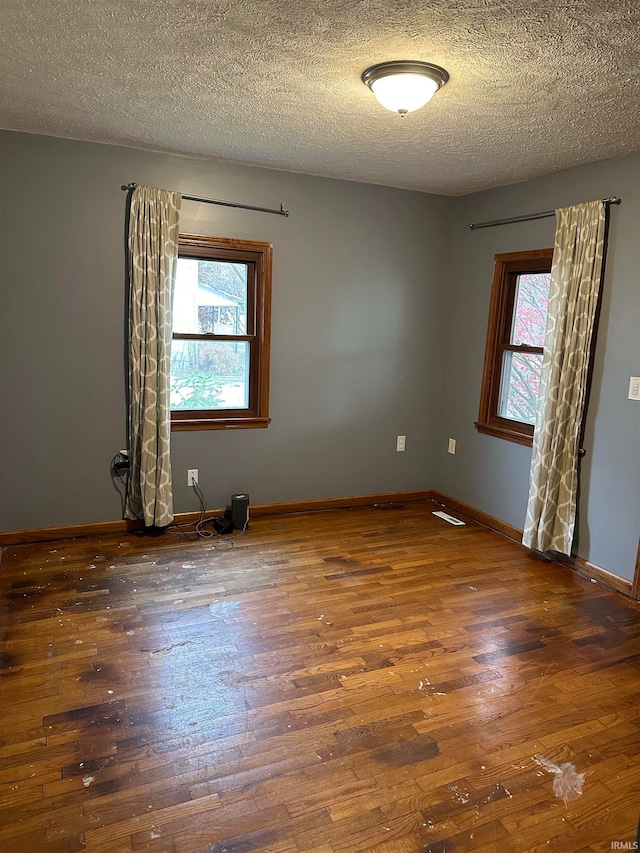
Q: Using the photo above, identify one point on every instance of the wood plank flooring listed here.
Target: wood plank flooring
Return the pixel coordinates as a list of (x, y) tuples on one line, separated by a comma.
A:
[(363, 681)]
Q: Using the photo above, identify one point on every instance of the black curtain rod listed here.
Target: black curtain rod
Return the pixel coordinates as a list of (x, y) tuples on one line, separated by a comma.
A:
[(281, 212), (527, 217)]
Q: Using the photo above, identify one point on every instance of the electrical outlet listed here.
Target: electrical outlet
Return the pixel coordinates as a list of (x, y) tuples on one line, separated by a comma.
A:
[(634, 388), (121, 461), (452, 446), (401, 443), (192, 477)]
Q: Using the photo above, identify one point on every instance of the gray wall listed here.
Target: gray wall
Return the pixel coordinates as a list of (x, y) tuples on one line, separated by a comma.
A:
[(379, 323), (491, 473), (356, 339)]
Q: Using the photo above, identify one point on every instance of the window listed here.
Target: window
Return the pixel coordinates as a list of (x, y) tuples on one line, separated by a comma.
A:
[(515, 340), (221, 333)]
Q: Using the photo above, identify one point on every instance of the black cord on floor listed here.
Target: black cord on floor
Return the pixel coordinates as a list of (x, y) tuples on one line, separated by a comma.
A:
[(198, 529)]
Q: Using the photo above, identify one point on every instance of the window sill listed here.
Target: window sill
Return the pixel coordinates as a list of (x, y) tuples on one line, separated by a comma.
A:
[(220, 423), (509, 433)]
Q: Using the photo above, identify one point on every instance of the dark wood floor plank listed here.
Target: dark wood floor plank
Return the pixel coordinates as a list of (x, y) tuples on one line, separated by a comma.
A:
[(335, 683)]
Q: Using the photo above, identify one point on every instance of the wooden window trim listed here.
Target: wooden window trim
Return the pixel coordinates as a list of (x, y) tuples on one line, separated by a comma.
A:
[(260, 257), (506, 267)]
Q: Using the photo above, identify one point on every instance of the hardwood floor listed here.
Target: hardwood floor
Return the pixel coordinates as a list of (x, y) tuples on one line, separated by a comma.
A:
[(367, 680)]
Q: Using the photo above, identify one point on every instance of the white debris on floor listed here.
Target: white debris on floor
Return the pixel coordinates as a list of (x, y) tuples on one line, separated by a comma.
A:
[(567, 784)]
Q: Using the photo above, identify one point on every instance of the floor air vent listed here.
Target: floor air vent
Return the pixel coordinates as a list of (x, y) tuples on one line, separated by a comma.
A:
[(449, 518)]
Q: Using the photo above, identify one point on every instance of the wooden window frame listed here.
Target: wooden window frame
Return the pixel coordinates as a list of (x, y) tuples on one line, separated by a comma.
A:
[(259, 257), (507, 268)]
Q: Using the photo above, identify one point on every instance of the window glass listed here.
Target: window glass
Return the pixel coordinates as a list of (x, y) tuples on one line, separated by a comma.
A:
[(520, 384), (209, 374), (530, 311), (210, 297)]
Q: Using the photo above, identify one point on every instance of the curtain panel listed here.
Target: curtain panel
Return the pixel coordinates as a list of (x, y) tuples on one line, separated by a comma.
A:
[(154, 222), (573, 299)]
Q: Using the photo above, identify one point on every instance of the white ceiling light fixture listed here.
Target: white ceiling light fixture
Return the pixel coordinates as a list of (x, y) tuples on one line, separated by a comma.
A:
[(404, 86)]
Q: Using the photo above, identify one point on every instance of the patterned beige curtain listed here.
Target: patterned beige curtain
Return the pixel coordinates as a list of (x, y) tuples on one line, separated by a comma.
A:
[(153, 252), (573, 298)]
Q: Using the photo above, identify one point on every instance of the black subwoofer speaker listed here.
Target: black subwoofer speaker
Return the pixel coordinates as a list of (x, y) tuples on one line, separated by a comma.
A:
[(240, 511)]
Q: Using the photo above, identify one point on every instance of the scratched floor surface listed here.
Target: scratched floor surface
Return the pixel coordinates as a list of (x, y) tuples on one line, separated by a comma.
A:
[(368, 681)]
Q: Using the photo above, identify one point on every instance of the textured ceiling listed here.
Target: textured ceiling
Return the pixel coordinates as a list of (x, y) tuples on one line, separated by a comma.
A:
[(536, 85)]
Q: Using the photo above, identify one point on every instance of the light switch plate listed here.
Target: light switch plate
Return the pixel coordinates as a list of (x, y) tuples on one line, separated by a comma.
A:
[(634, 388)]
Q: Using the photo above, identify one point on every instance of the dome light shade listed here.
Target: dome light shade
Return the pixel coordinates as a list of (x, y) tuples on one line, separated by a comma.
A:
[(404, 86)]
